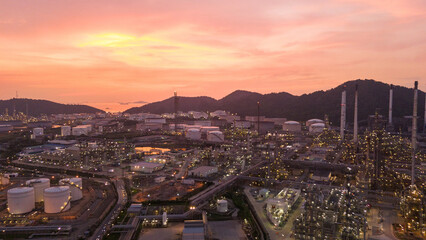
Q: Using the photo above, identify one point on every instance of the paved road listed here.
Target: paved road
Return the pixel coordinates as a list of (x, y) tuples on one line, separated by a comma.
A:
[(206, 194), (288, 227), (122, 199)]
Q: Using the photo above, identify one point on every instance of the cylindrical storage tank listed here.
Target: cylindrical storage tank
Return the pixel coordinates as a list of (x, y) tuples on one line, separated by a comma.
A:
[(57, 199), (193, 134), (76, 187), (20, 200), (39, 185), (313, 121), (292, 126), (316, 128), (215, 136), (222, 205)]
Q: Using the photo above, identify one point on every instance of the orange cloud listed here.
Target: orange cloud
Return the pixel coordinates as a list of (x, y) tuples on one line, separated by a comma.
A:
[(123, 51)]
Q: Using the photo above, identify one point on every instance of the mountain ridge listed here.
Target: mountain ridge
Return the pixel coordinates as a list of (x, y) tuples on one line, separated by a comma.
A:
[(373, 96), (37, 107)]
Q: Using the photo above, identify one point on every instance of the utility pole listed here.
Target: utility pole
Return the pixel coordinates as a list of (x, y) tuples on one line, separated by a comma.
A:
[(414, 133)]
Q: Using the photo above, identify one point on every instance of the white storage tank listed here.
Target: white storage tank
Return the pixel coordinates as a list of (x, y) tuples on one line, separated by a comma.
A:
[(20, 200), (193, 134), (76, 187), (222, 205), (39, 185), (316, 128), (57, 199), (292, 126), (215, 136), (313, 121)]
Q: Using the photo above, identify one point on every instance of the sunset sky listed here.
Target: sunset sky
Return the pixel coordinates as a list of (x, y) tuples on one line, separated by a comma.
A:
[(105, 52)]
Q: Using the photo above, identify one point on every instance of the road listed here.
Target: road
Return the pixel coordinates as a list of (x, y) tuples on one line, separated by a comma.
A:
[(288, 227), (121, 202), (206, 194)]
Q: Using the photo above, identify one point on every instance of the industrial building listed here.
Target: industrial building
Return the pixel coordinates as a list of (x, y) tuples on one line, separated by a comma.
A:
[(152, 126), (242, 124), (194, 230), (65, 131), (38, 132), (277, 208), (81, 130), (338, 214), (193, 134), (146, 167), (263, 126), (6, 128), (203, 171), (321, 176), (222, 205), (155, 120)]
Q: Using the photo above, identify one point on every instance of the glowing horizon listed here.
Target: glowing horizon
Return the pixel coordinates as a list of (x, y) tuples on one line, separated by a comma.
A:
[(111, 52)]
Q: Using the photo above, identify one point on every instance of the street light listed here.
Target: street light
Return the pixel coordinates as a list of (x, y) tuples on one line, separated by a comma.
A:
[(192, 208)]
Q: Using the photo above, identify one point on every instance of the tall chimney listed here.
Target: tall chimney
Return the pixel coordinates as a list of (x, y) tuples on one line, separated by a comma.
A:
[(176, 103), (414, 132), (258, 118), (343, 114), (390, 103), (356, 115)]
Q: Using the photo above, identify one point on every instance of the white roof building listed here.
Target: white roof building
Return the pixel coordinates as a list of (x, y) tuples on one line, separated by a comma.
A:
[(146, 167)]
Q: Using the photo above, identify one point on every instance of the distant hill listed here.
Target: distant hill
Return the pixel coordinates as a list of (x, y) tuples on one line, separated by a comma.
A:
[(373, 95), (39, 107)]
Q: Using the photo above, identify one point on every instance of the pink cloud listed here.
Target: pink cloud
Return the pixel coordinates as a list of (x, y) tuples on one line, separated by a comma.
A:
[(206, 47)]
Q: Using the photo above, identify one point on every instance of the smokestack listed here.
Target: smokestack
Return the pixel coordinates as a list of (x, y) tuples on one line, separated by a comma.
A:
[(258, 118), (356, 115), (343, 114), (414, 132), (390, 103), (176, 103)]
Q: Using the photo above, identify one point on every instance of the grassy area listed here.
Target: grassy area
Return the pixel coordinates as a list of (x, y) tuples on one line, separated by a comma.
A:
[(217, 217), (134, 191), (17, 142), (112, 236), (196, 191), (165, 202)]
